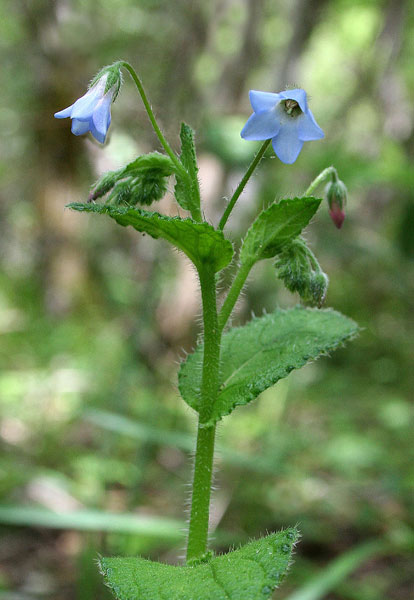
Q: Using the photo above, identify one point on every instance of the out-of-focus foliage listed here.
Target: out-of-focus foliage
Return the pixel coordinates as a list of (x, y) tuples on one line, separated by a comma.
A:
[(93, 316)]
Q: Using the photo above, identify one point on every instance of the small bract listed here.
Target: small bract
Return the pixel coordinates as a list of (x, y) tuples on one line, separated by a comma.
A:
[(285, 118), (91, 112)]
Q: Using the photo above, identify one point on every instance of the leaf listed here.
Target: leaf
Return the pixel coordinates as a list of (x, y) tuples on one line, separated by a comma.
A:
[(203, 245), (276, 226), (256, 356), (187, 191), (188, 153), (249, 573)]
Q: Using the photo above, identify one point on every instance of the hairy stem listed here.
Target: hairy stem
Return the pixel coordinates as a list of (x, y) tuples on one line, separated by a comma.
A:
[(204, 455), (200, 501), (234, 293), (195, 212), (323, 176), (243, 183)]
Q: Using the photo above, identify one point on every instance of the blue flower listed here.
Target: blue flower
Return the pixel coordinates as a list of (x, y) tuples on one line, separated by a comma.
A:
[(92, 112), (285, 118)]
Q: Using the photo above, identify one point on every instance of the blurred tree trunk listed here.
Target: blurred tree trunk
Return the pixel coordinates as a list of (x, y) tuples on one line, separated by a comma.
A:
[(179, 93), (56, 156), (304, 16), (377, 70), (236, 72)]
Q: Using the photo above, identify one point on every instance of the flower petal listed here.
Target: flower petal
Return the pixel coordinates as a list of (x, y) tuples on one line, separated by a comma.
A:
[(263, 100), (80, 127), (65, 113), (102, 114), (286, 144), (261, 126), (298, 95), (84, 107), (308, 129), (97, 135)]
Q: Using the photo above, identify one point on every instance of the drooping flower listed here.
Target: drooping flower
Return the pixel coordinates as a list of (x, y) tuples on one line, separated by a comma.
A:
[(285, 118), (92, 112)]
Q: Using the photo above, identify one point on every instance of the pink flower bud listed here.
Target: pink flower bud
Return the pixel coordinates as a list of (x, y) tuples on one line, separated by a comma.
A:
[(336, 195), (337, 214)]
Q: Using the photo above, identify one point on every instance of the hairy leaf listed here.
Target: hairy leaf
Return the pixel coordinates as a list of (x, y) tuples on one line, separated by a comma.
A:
[(276, 226), (256, 356), (249, 573), (187, 190), (203, 245)]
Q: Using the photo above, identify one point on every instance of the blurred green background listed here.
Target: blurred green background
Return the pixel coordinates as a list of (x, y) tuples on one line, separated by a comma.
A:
[(93, 318)]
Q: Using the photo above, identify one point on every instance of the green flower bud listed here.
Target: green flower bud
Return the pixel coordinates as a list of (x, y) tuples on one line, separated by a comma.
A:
[(318, 288), (104, 184), (299, 270), (113, 76)]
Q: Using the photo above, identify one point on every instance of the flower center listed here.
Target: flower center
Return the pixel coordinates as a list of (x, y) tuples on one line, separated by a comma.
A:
[(292, 108)]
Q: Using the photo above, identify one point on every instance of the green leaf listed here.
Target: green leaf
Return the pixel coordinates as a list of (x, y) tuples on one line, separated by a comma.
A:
[(188, 153), (187, 190), (250, 573), (203, 245), (276, 226), (256, 356)]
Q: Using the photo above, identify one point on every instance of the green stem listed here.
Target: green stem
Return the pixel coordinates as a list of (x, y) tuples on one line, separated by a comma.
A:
[(234, 293), (195, 212), (200, 502), (328, 172), (243, 183), (203, 467)]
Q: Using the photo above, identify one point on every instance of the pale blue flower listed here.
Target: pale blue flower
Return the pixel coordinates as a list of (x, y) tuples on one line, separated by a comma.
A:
[(92, 112), (285, 118)]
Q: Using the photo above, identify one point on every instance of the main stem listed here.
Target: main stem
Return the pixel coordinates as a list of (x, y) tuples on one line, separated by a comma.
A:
[(204, 455), (243, 183)]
